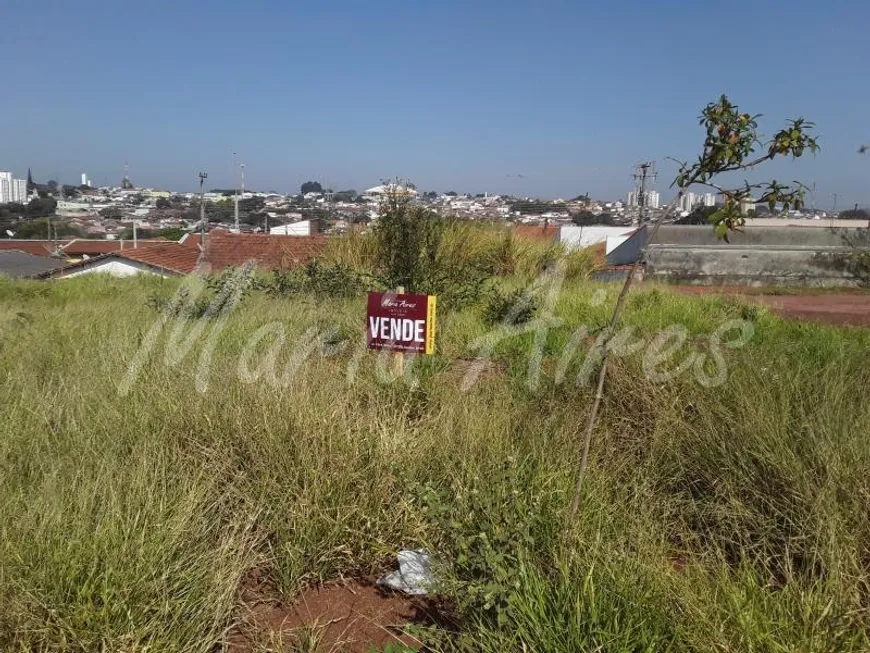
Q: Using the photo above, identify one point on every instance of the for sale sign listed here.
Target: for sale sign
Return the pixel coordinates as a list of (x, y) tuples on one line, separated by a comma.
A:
[(403, 323)]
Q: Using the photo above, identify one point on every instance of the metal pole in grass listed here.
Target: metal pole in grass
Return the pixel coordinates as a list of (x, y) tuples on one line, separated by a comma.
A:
[(605, 351), (398, 356)]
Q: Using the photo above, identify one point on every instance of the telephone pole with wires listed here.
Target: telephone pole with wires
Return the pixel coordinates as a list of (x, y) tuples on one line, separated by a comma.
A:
[(202, 177), (643, 173)]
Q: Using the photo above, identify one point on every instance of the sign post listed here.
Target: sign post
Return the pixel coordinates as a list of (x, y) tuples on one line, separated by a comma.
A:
[(399, 356), (403, 324)]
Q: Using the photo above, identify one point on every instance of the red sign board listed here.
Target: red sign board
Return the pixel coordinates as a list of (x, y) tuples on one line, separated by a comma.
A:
[(404, 323)]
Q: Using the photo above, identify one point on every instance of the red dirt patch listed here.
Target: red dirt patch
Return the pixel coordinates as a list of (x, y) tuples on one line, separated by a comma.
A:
[(839, 309), (355, 616)]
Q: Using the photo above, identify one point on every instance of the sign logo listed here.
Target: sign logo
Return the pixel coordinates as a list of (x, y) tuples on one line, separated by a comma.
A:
[(402, 323)]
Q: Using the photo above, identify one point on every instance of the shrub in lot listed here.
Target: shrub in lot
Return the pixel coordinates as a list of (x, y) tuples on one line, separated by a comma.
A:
[(511, 308), (329, 280)]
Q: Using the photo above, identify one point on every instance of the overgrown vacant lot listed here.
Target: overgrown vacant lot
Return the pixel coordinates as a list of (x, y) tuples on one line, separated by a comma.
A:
[(727, 517)]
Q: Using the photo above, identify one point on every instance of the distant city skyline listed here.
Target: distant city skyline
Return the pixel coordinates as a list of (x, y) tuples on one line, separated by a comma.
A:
[(546, 101)]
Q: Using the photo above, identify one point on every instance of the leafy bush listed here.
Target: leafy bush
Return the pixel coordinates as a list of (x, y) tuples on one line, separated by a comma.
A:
[(486, 527), (408, 239), (337, 280), (224, 292), (515, 307)]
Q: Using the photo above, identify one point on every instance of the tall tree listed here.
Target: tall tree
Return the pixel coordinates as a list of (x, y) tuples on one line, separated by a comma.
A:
[(311, 187)]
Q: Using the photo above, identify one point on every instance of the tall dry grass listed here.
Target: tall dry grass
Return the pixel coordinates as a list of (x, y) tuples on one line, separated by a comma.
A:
[(493, 249), (727, 518)]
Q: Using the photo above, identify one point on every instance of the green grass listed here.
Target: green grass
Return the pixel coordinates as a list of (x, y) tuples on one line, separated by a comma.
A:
[(724, 518)]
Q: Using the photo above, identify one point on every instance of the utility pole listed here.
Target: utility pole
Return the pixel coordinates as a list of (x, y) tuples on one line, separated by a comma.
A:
[(643, 172), (202, 177), (236, 188), (241, 197)]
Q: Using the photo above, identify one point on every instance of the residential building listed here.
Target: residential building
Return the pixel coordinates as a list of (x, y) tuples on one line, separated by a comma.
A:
[(709, 199), (221, 250), (651, 196), (12, 190), (688, 202)]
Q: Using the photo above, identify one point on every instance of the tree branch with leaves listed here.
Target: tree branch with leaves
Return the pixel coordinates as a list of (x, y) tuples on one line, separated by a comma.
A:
[(732, 144)]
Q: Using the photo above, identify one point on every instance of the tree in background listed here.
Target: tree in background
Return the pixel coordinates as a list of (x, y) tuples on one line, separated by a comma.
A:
[(587, 218), (164, 234), (854, 214), (311, 187), (345, 196), (531, 207), (40, 207), (170, 233), (112, 213), (39, 229), (163, 203), (12, 210), (701, 215)]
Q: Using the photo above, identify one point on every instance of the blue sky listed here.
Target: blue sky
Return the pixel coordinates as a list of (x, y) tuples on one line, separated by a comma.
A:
[(452, 95)]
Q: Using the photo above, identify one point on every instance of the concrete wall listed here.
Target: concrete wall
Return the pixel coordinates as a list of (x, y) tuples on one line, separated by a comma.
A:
[(764, 236), (750, 266), (629, 250)]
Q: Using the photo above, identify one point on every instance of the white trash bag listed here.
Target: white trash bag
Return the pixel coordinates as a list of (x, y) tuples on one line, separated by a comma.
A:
[(414, 575)]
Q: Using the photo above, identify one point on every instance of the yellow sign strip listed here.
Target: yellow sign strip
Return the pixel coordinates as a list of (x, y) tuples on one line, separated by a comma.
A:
[(430, 324)]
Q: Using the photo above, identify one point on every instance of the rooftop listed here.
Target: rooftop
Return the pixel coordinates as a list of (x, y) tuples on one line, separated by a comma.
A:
[(274, 252), (18, 264)]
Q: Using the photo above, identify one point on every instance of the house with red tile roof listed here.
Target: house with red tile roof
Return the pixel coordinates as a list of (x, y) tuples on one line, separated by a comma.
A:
[(81, 247), (44, 248), (222, 250), (165, 259)]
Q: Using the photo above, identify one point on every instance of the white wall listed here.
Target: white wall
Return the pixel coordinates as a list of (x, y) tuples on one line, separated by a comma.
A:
[(579, 237), (114, 267), (615, 241), (302, 228)]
